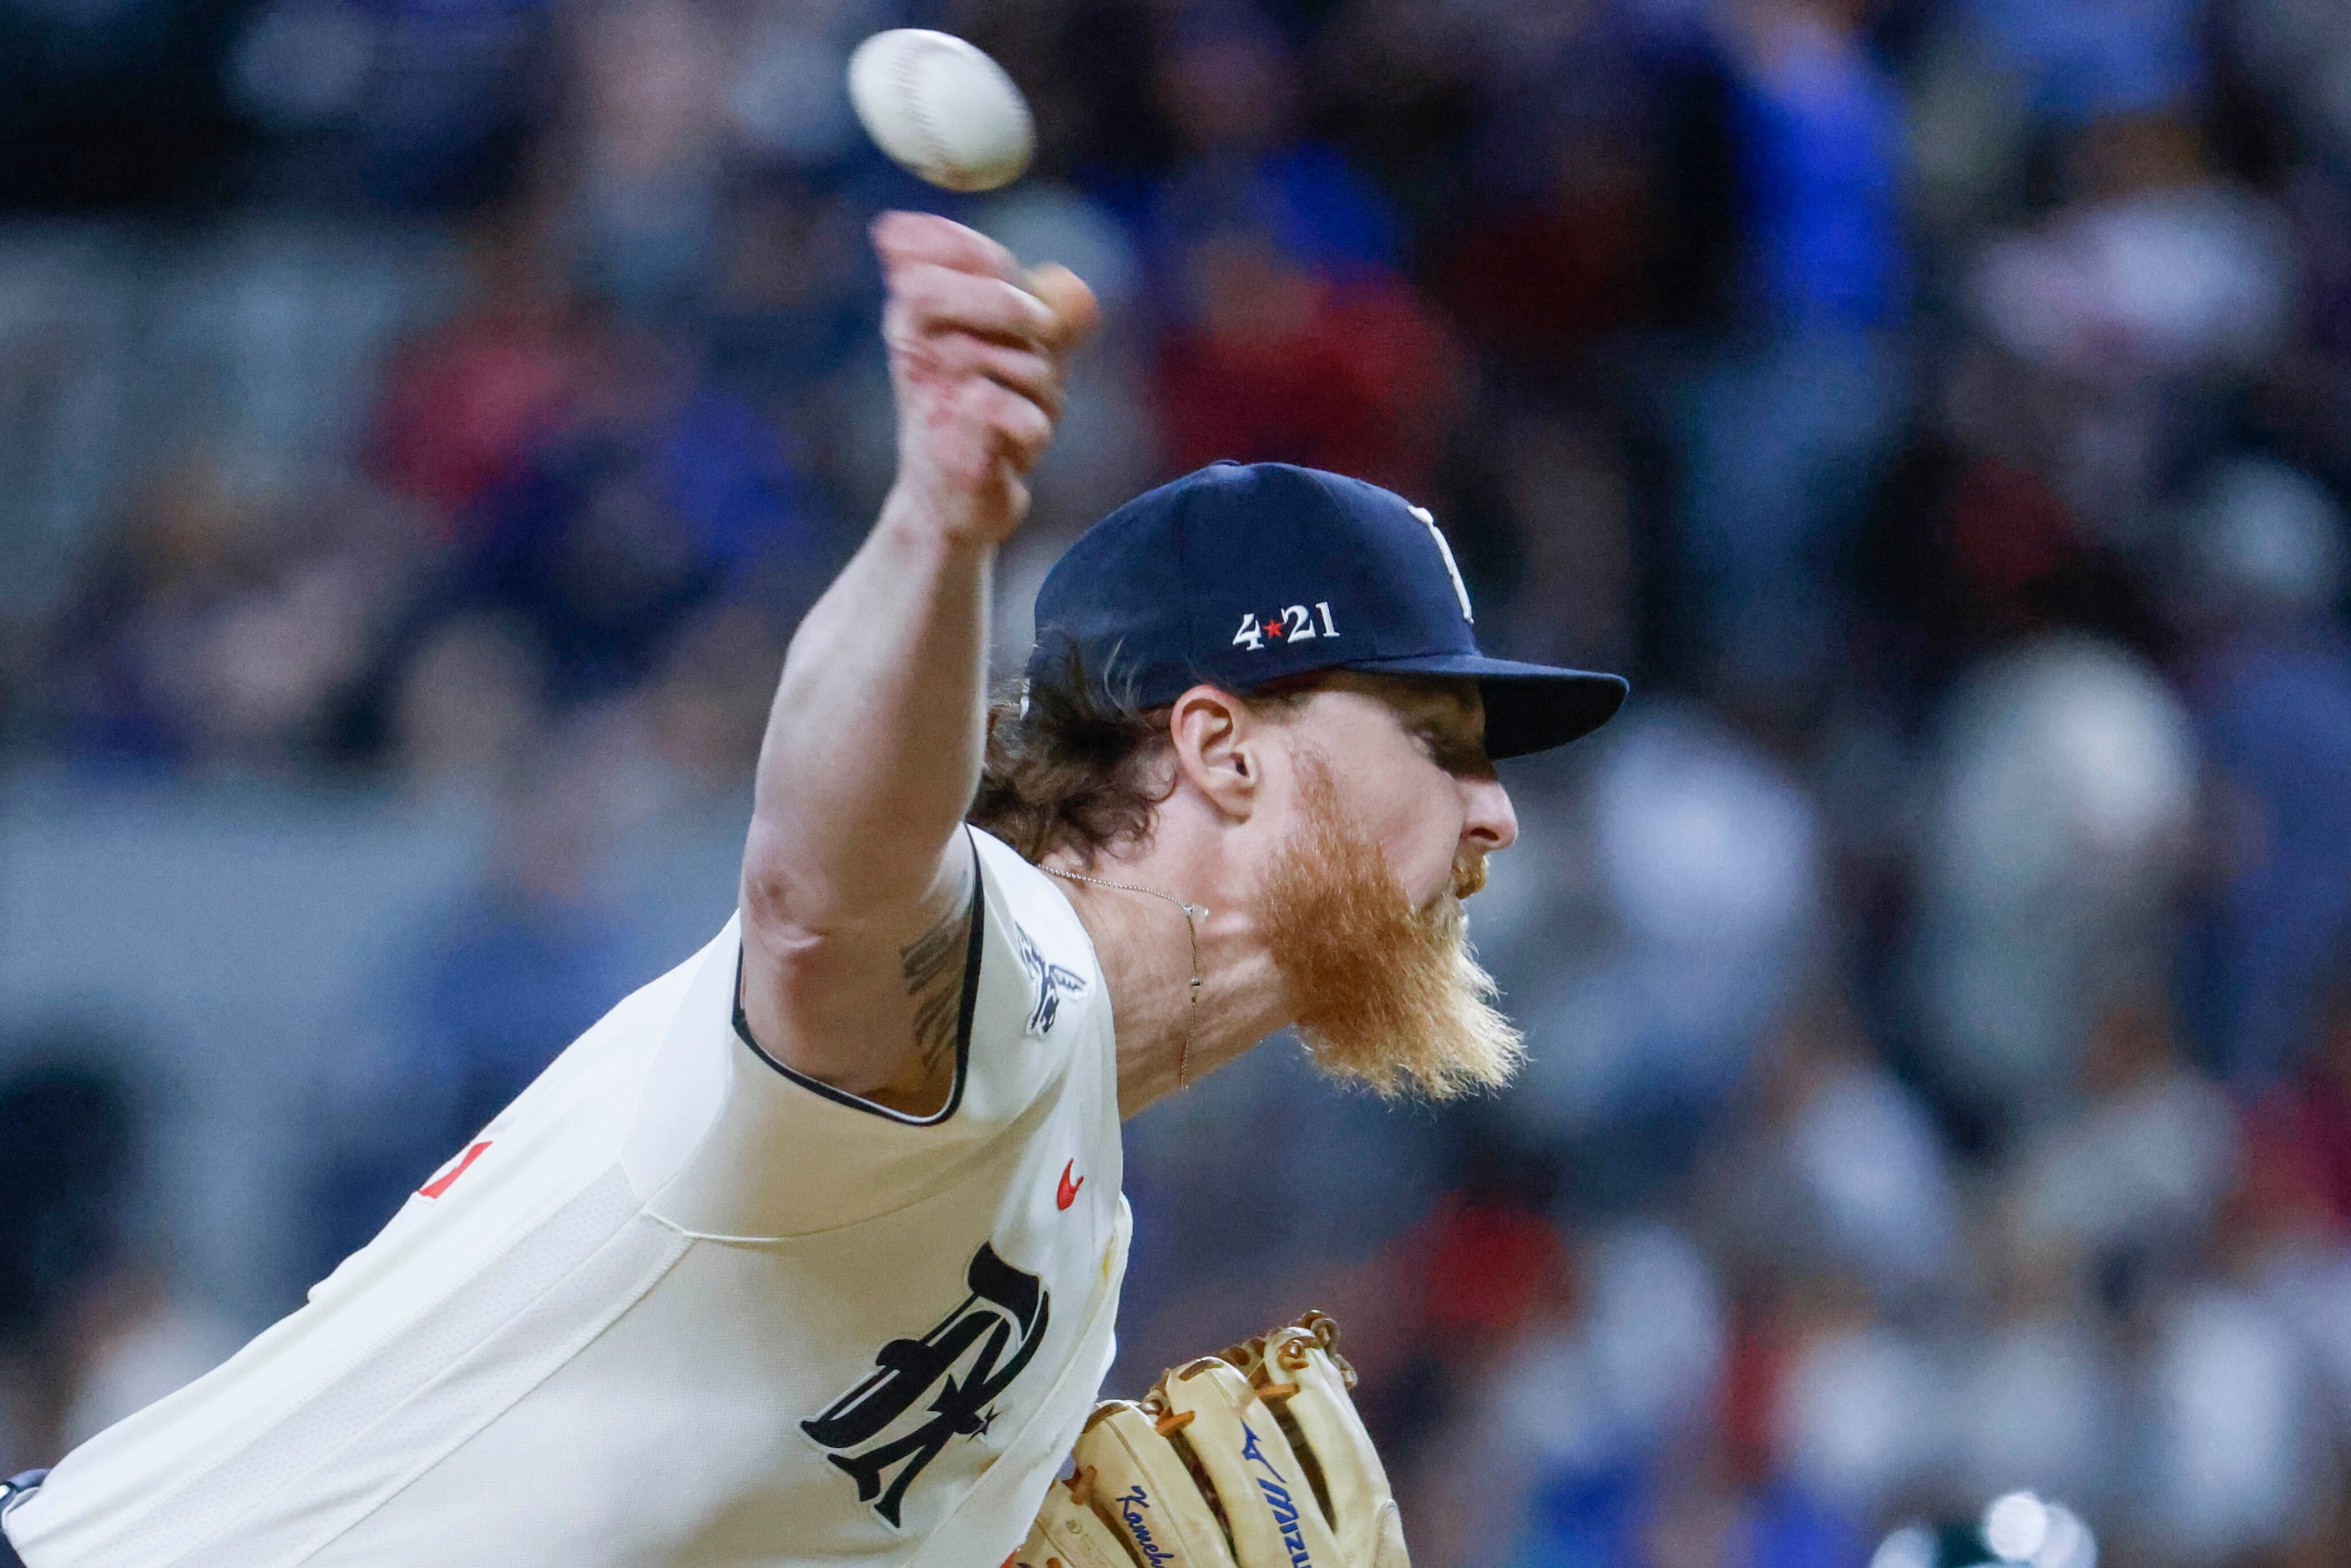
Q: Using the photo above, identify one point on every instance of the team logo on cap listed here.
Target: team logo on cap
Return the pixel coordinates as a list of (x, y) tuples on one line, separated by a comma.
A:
[(1460, 590)]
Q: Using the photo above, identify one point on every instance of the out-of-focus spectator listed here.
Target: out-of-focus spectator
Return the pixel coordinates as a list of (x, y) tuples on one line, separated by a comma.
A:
[(2157, 288), (1557, 207), (1538, 281), (2076, 59), (652, 121), (1485, 1263), (655, 496), (1977, 538), (2132, 1183), (2159, 269), (1845, 1173), (2317, 1115), (1294, 337), (1274, 362), (71, 1170), (189, 546), (467, 710), (2038, 1408), (228, 613), (793, 298), (1595, 1439), (2298, 51), (2283, 1232), (1466, 1286), (1229, 84), (2233, 1458), (465, 404), (1632, 1372), (416, 106), (2272, 693), (1782, 433), (1864, 1411), (710, 703), (1561, 505), (1594, 1389), (2061, 819), (1706, 854), (1820, 126)]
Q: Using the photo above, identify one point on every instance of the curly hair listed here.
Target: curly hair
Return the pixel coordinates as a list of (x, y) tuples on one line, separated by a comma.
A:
[(1072, 763)]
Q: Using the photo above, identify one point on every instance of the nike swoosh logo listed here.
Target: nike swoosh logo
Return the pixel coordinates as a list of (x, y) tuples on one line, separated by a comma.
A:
[(1068, 1193), (442, 1184)]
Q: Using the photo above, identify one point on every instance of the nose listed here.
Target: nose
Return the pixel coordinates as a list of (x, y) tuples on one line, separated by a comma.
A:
[(1489, 822)]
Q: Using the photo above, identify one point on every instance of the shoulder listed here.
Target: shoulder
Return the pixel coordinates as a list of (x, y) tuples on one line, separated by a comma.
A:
[(1019, 889)]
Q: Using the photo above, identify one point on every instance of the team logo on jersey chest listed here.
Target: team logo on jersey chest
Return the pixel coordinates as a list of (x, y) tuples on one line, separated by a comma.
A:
[(1049, 982), (970, 1358)]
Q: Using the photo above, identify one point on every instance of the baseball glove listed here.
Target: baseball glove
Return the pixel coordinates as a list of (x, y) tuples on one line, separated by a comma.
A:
[(1252, 1459)]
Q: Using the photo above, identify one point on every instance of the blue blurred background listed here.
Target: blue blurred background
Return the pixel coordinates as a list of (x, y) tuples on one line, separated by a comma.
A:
[(421, 423)]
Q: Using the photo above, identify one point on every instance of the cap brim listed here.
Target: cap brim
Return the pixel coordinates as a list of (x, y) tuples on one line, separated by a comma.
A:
[(1529, 707)]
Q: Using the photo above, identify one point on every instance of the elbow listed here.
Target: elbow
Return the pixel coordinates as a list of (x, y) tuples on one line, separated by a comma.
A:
[(781, 894), (794, 889)]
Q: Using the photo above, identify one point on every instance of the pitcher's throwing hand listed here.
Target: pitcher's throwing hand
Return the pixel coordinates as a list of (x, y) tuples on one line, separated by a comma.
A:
[(977, 349)]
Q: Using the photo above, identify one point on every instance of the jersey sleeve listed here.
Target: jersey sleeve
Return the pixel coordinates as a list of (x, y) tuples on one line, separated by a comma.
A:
[(727, 1140)]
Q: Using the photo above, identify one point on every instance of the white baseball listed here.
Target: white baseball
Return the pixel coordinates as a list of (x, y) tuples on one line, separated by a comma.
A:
[(941, 107)]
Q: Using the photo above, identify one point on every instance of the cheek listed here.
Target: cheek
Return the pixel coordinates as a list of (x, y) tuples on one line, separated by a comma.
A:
[(1414, 813), (1431, 872)]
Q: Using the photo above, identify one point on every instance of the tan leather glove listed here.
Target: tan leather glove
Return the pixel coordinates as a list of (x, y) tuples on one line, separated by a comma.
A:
[(1252, 1459)]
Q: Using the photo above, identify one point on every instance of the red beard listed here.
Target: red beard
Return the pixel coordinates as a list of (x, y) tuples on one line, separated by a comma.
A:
[(1385, 994)]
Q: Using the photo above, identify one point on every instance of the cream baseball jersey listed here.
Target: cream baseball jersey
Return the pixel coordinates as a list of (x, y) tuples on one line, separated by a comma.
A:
[(676, 1307)]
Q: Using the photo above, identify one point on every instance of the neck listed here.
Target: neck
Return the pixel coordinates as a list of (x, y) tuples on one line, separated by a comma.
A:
[(1167, 1040)]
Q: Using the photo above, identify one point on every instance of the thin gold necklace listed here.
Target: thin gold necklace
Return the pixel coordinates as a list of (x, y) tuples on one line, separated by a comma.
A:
[(1192, 914)]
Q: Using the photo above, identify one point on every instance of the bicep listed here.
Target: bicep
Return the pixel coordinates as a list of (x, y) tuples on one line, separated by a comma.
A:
[(874, 1006)]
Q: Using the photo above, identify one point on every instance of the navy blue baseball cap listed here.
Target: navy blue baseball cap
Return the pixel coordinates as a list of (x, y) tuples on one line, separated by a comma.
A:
[(1240, 575)]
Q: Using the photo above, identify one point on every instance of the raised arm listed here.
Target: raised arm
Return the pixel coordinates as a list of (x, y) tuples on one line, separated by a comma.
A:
[(856, 883)]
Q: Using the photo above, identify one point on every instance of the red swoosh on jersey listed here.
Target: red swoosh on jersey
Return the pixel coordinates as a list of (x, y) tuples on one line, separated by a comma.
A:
[(442, 1184), (1068, 1192)]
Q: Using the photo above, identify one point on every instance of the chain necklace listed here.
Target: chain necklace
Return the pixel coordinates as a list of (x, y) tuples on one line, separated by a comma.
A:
[(1192, 914)]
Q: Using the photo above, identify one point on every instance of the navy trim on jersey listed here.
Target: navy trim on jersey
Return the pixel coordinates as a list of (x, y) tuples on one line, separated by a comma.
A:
[(963, 1022), (18, 1487)]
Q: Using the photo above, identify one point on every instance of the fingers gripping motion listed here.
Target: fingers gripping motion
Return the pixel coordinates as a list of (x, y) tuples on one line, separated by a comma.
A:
[(977, 348), (1252, 1458)]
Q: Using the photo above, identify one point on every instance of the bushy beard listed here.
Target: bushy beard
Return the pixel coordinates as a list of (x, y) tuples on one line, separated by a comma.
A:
[(1385, 994)]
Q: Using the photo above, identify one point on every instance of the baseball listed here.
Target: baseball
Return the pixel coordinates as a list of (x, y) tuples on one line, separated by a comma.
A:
[(941, 107)]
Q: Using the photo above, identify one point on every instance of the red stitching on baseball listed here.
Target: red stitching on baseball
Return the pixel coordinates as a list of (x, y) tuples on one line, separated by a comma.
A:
[(928, 133)]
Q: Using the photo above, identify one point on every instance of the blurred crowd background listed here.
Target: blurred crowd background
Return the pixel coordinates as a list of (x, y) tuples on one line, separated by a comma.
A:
[(421, 423)]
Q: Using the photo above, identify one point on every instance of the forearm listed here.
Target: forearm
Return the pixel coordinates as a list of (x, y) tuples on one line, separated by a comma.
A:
[(874, 742)]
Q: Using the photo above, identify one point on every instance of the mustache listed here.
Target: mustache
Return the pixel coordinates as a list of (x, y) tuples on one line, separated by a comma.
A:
[(1468, 871)]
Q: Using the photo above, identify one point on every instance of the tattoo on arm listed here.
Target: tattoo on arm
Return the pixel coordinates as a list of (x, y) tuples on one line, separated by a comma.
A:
[(932, 966)]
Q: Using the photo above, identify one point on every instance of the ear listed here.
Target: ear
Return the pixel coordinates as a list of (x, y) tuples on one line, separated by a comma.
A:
[(1219, 748)]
